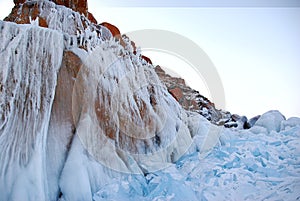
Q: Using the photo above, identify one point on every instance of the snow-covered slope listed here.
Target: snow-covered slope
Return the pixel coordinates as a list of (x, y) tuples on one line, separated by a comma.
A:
[(84, 117)]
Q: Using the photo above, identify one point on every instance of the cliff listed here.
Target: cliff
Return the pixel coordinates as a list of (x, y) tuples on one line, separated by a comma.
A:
[(70, 86)]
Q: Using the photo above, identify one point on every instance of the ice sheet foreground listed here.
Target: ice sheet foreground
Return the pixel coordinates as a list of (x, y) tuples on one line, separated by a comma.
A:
[(262, 163)]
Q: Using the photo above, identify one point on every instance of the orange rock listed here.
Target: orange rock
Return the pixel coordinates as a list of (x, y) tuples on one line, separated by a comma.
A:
[(19, 1), (113, 29), (92, 18), (147, 59), (28, 11), (80, 6), (176, 93), (62, 104)]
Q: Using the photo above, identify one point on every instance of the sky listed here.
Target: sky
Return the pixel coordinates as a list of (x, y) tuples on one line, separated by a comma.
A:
[(254, 46)]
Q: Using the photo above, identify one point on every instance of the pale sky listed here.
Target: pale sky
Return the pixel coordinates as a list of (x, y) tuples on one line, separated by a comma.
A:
[(256, 50)]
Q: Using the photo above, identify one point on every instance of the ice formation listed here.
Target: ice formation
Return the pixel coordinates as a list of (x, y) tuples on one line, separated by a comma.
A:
[(84, 118), (30, 59)]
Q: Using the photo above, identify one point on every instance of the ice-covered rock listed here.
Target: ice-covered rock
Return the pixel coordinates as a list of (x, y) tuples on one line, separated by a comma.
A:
[(30, 59), (55, 17), (80, 6), (102, 104)]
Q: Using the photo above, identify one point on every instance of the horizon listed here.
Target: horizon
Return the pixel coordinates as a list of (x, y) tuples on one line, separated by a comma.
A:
[(271, 59)]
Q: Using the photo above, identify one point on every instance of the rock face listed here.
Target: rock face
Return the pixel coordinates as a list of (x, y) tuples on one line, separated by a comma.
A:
[(61, 121)]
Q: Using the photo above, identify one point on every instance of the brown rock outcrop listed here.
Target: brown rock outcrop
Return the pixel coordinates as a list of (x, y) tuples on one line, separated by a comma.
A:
[(22, 15), (192, 100), (23, 10), (147, 59), (59, 18), (80, 6), (91, 17), (176, 93), (19, 1), (114, 31)]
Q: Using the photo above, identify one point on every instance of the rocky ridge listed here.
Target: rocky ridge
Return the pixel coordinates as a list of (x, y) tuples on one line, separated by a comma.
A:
[(192, 100), (189, 99)]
